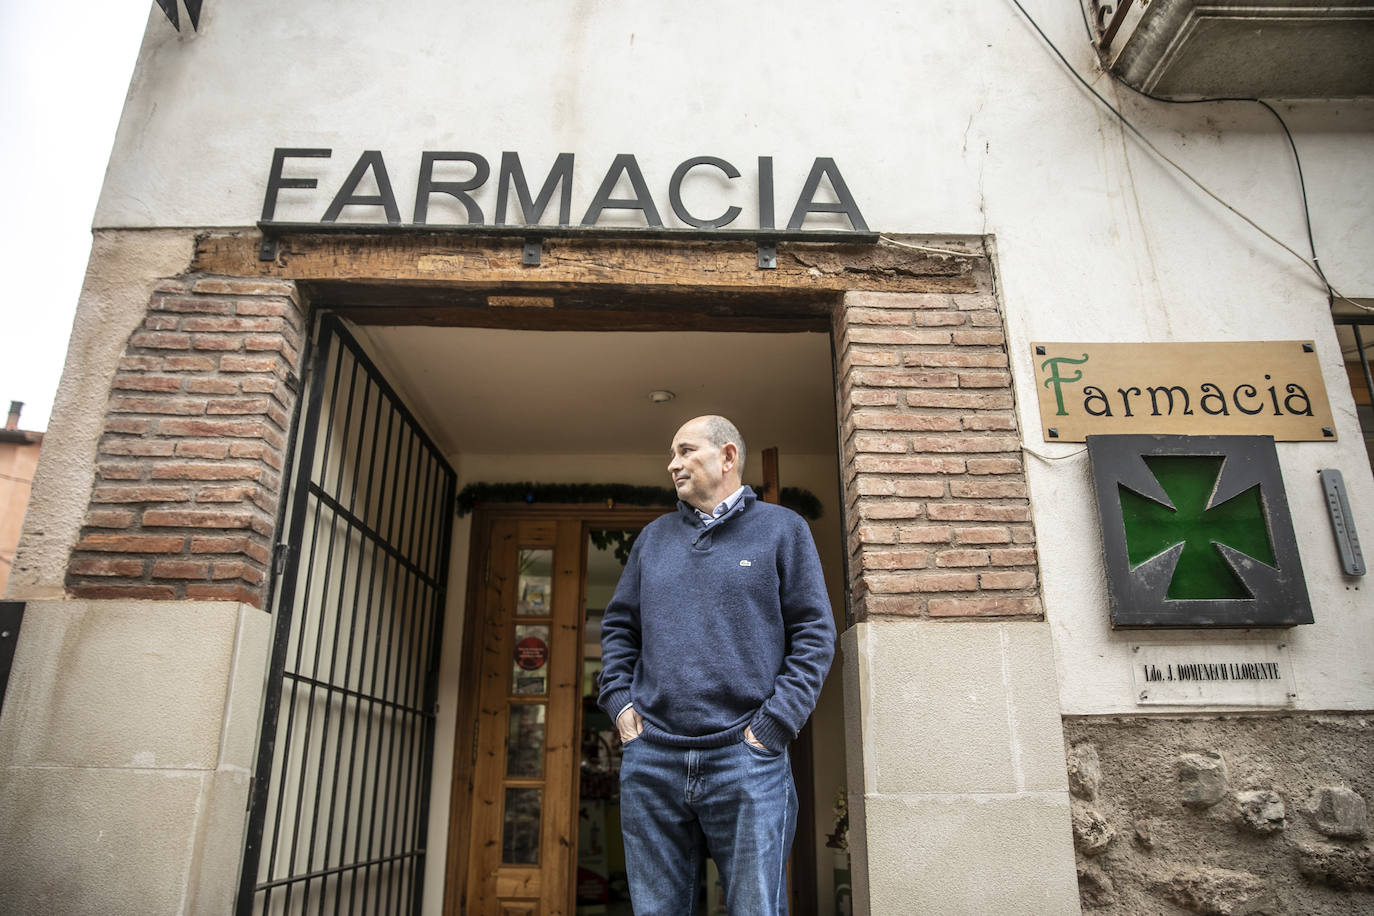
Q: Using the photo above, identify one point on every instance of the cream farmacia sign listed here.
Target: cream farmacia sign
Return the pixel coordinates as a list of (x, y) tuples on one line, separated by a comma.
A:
[(1258, 388)]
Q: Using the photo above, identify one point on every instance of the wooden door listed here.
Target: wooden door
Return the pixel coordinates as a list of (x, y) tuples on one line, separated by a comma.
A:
[(523, 834)]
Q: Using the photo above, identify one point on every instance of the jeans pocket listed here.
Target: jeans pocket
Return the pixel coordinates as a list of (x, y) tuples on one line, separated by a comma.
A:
[(760, 751), (624, 743)]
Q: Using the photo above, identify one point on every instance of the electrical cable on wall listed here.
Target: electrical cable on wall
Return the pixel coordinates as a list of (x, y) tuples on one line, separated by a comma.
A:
[(944, 251), (1052, 458), (1292, 144), (1331, 293), (1313, 265)]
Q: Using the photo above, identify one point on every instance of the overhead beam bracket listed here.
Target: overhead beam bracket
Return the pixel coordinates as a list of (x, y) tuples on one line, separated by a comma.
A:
[(768, 255)]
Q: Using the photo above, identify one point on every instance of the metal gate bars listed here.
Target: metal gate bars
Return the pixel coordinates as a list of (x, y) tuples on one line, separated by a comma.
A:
[(339, 804)]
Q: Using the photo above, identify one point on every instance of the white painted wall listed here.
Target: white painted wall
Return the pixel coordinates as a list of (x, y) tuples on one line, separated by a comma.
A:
[(945, 118), (446, 720)]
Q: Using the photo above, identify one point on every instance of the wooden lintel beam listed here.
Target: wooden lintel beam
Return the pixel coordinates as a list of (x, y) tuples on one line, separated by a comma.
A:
[(649, 266), (573, 319), (748, 302), (564, 307)]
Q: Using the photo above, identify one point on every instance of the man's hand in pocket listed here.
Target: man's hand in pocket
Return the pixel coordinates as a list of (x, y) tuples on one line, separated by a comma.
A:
[(630, 725)]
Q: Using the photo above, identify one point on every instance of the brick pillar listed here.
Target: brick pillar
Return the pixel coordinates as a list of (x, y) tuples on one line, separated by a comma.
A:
[(189, 467), (958, 798), (939, 522)]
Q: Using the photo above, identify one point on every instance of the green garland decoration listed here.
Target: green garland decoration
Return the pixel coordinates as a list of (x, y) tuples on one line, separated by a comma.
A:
[(803, 502)]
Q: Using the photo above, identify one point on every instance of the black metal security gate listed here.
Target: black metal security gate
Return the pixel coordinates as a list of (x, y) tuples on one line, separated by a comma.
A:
[(339, 804)]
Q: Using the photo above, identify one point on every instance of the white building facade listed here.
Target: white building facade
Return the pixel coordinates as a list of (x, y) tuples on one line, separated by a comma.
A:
[(326, 294)]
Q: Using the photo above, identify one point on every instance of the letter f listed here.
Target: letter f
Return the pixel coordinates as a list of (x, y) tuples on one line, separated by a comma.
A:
[(1054, 378)]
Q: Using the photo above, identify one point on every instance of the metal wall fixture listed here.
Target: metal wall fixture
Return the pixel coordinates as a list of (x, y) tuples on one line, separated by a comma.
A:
[(169, 8), (1342, 522), (1196, 532)]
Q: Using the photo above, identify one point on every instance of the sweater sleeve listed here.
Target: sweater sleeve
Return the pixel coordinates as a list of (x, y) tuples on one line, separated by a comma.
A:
[(810, 631), (620, 639)]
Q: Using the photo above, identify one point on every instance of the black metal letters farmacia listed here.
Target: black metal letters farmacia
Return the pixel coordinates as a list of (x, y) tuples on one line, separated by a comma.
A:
[(624, 169)]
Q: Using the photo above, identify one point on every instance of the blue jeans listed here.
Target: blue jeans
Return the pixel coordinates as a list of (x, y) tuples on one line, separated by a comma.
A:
[(735, 803)]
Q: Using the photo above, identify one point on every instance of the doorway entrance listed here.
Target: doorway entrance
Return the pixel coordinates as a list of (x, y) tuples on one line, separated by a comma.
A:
[(530, 405), (561, 409)]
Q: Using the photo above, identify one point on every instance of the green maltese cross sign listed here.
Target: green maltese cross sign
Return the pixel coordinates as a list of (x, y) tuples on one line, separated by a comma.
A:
[(1196, 532), (1204, 529)]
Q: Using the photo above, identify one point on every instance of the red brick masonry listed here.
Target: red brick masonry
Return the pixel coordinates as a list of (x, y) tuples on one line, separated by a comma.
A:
[(934, 484), (190, 463), (189, 467)]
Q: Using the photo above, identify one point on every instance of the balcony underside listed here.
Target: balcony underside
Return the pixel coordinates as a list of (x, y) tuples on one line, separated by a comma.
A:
[(1294, 49)]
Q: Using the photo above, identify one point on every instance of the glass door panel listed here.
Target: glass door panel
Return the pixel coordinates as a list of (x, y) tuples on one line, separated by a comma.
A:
[(529, 666), (601, 884), (535, 584), (525, 747)]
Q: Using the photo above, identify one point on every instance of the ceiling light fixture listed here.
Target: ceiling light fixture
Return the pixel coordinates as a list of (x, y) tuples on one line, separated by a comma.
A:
[(661, 396)]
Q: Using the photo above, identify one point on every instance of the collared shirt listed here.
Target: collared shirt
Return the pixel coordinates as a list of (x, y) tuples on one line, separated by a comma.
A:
[(723, 507)]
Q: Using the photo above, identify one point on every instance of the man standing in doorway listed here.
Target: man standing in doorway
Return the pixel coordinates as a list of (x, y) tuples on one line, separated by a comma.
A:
[(713, 648)]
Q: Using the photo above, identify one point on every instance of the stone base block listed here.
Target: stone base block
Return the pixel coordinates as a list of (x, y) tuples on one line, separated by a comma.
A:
[(126, 746), (959, 797), (96, 841), (954, 854)]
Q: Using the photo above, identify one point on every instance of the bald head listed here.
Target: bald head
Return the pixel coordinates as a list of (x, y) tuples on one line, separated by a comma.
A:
[(719, 432), (706, 461)]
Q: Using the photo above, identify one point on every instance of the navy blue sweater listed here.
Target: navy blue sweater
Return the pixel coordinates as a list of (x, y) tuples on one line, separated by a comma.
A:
[(715, 628)]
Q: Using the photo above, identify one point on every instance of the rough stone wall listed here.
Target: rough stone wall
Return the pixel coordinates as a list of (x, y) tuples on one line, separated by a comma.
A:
[(934, 485), (188, 467), (1234, 815)]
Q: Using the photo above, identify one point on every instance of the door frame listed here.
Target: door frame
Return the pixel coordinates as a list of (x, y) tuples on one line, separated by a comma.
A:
[(484, 520)]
